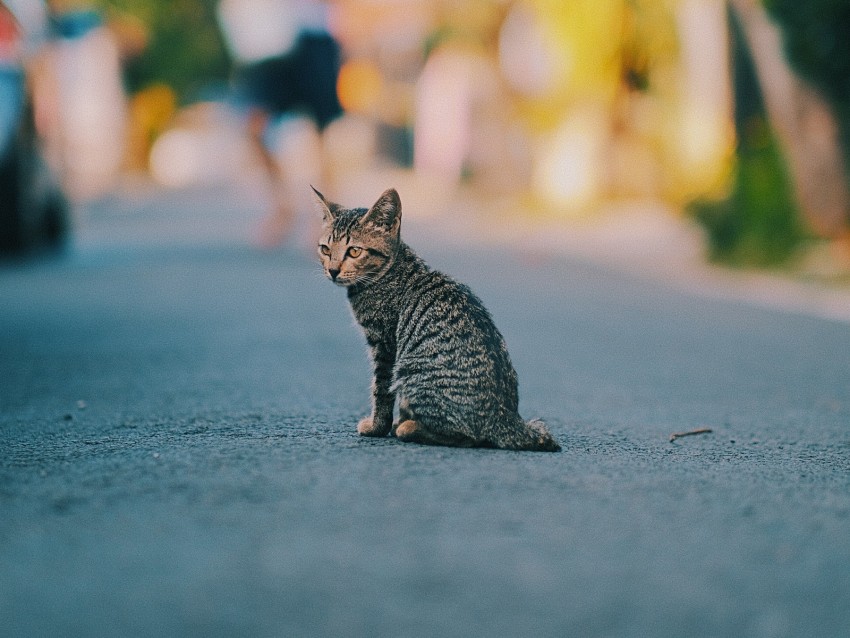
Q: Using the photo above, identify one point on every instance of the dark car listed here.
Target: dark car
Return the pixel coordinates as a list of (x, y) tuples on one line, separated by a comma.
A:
[(33, 209)]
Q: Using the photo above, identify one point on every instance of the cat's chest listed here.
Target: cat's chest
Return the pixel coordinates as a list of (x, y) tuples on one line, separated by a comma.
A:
[(377, 316)]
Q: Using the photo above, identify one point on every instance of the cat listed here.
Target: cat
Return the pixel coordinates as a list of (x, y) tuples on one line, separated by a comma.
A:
[(433, 344)]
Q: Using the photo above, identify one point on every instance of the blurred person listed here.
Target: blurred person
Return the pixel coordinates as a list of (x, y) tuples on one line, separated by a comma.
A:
[(81, 105), (33, 209), (79, 98), (287, 63)]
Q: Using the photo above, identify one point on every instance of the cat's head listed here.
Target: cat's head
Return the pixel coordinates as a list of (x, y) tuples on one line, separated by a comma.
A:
[(358, 245)]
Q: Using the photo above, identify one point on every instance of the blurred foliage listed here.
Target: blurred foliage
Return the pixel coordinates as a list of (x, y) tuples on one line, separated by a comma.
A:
[(816, 35), (758, 224), (184, 48)]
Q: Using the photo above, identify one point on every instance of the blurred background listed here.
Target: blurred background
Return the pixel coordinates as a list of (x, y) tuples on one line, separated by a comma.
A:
[(728, 118)]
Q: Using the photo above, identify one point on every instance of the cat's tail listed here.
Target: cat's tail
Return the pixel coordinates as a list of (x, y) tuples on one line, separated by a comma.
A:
[(531, 436)]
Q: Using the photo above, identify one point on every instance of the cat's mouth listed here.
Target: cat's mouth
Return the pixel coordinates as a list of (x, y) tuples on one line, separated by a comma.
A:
[(340, 280)]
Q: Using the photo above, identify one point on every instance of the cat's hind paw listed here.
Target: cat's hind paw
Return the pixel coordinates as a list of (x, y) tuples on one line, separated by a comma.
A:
[(407, 430), (411, 431), (367, 427)]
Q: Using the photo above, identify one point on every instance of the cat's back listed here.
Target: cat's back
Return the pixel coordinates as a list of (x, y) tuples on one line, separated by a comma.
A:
[(435, 305), (445, 332)]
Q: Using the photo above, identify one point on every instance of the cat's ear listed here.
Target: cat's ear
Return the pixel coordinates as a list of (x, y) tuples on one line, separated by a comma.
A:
[(329, 209), (386, 212)]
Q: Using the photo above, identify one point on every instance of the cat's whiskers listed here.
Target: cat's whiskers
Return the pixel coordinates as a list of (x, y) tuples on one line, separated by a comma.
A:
[(366, 279)]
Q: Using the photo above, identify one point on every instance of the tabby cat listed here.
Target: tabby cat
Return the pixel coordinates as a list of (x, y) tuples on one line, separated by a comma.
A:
[(433, 343)]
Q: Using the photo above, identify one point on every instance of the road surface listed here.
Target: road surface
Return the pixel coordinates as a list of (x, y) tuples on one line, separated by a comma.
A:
[(178, 454)]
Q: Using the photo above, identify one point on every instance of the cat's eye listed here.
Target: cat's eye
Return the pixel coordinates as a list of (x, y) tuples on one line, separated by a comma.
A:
[(354, 252), (324, 250)]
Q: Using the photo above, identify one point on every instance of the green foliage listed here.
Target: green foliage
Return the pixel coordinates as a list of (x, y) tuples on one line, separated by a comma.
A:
[(185, 49), (757, 224)]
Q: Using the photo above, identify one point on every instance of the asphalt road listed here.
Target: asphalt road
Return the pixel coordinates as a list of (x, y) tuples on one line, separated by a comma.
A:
[(178, 454)]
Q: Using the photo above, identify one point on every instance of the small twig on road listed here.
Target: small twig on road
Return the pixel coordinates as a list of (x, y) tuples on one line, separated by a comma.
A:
[(679, 435)]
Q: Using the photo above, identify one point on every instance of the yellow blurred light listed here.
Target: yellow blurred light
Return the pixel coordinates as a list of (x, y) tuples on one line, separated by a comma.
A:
[(704, 138), (585, 34), (703, 143), (701, 133), (359, 86), (558, 55), (568, 168)]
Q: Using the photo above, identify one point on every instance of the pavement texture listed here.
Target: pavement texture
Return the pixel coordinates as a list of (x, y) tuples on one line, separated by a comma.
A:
[(178, 454)]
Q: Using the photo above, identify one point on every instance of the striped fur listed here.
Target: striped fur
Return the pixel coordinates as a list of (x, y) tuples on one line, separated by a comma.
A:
[(433, 344)]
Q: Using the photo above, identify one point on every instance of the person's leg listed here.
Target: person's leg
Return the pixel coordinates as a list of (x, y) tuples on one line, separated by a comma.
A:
[(279, 222)]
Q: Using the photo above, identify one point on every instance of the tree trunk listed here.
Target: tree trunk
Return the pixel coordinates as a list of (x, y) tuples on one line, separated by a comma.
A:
[(804, 124)]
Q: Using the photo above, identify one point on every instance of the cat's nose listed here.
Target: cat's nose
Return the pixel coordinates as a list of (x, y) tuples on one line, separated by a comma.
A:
[(333, 272)]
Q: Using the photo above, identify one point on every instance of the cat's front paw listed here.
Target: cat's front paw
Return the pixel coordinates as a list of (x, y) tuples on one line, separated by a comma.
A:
[(367, 427)]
